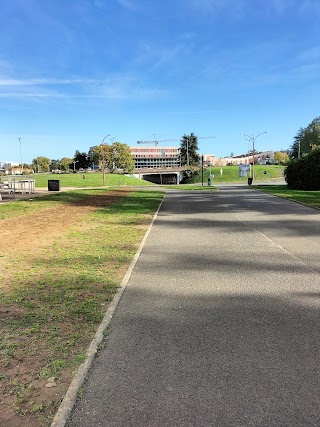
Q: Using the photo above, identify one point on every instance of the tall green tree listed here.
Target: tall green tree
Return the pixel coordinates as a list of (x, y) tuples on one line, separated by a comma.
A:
[(65, 163), (41, 164), (54, 164), (189, 150), (281, 157), (81, 160), (306, 138), (115, 156)]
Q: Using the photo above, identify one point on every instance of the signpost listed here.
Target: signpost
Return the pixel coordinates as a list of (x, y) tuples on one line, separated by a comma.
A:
[(53, 185)]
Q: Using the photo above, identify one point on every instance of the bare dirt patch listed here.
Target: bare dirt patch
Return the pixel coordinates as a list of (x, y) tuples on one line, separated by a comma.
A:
[(30, 234), (36, 230)]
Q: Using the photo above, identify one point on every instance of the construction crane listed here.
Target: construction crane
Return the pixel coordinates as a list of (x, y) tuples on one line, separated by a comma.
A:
[(156, 142)]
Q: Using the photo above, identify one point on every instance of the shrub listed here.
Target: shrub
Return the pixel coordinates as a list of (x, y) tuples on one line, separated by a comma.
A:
[(188, 175), (304, 173)]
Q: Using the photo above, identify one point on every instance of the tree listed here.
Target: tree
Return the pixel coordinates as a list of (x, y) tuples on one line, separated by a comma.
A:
[(82, 160), (189, 150), (65, 163), (306, 138), (54, 164), (116, 156), (281, 157), (41, 164)]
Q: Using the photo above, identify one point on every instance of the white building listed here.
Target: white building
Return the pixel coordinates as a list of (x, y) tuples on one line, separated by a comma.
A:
[(6, 165), (260, 158)]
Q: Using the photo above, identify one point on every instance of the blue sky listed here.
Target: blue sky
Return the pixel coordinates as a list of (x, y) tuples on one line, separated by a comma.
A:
[(73, 71)]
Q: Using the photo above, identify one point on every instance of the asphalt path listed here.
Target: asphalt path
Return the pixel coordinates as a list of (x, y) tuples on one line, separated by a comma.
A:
[(220, 322)]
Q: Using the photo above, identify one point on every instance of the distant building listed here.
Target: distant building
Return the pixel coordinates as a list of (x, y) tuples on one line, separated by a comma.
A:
[(152, 157), (210, 159), (260, 158), (6, 165), (155, 157), (161, 157)]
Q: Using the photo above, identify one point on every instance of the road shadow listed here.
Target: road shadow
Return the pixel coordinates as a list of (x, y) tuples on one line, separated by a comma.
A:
[(212, 360)]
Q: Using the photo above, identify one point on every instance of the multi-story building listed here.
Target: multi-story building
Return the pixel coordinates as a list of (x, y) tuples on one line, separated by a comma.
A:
[(260, 158), (155, 157), (152, 157)]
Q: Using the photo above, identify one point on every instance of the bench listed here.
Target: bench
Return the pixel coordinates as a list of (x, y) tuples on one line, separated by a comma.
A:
[(5, 186)]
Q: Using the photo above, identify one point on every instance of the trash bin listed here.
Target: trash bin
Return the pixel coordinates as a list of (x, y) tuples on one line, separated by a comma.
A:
[(209, 182), (249, 181)]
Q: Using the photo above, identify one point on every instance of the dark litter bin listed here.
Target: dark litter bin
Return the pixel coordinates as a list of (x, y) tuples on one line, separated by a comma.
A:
[(53, 185), (209, 182), (249, 181)]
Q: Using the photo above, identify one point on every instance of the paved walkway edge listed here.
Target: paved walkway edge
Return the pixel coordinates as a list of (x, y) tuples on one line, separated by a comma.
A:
[(70, 397)]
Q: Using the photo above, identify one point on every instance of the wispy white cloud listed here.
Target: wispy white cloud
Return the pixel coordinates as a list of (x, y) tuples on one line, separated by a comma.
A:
[(191, 112), (216, 7), (242, 8), (36, 82), (309, 6), (109, 88), (261, 65), (128, 87), (128, 4), (169, 55), (312, 53)]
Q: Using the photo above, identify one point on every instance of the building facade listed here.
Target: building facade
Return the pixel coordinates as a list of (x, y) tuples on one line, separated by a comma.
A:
[(150, 157), (260, 158), (155, 157)]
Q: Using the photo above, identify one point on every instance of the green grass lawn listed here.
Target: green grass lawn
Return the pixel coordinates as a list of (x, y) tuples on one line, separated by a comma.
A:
[(231, 174), (309, 198), (91, 179), (57, 295)]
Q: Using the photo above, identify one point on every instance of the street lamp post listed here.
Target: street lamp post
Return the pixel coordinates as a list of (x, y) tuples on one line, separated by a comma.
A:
[(103, 159), (21, 156), (252, 139), (202, 167), (74, 165), (188, 151)]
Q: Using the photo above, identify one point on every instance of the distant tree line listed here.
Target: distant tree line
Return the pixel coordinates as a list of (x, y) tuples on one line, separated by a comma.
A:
[(112, 157)]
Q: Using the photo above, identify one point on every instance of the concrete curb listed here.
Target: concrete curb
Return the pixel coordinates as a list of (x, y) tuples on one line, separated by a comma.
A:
[(70, 397)]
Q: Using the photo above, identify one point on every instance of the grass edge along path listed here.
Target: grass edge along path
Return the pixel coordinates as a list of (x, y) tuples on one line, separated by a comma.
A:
[(49, 320), (307, 198)]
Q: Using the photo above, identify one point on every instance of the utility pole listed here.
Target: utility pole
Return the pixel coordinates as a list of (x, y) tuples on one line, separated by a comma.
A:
[(103, 159), (202, 168), (21, 156), (187, 151)]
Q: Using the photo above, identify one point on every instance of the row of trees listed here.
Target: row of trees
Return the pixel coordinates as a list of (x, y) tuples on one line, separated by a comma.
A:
[(111, 157), (44, 164)]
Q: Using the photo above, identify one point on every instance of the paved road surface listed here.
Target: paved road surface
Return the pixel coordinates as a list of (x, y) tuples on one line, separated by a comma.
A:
[(220, 323)]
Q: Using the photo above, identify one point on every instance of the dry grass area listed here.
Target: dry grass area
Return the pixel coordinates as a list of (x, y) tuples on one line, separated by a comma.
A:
[(60, 266)]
